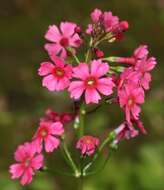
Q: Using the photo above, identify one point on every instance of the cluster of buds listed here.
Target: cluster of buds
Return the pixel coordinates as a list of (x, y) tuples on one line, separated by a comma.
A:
[(89, 81)]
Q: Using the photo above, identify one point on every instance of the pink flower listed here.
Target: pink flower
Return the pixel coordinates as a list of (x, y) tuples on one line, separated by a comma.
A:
[(62, 39), (55, 76), (141, 52), (48, 133), (139, 124), (87, 145), (109, 21), (104, 23), (28, 161), (51, 116), (130, 98), (125, 131), (89, 29), (99, 53), (91, 81), (128, 76), (95, 15), (143, 67)]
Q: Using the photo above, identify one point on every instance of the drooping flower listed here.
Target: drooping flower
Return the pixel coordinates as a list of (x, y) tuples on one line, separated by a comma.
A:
[(55, 76), (48, 133), (28, 162), (62, 39), (139, 125), (87, 145), (52, 116), (91, 81), (125, 131), (130, 98)]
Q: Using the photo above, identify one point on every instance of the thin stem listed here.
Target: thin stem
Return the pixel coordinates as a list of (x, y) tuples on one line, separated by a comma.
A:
[(81, 120), (88, 54), (102, 167), (103, 144), (70, 160), (57, 172), (76, 58)]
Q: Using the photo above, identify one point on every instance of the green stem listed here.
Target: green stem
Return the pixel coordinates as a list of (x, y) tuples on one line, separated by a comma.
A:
[(89, 52), (81, 120), (103, 166), (57, 172), (103, 144), (110, 59), (76, 58), (70, 160)]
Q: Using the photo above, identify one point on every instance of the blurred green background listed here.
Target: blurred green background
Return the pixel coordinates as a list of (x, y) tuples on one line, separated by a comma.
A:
[(139, 163)]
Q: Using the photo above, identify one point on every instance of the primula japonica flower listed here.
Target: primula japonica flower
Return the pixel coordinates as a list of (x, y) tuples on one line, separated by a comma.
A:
[(48, 133), (55, 76), (125, 131), (28, 162), (91, 81), (128, 77), (87, 145), (96, 15), (140, 53), (105, 22), (51, 116), (62, 39), (130, 98), (143, 67)]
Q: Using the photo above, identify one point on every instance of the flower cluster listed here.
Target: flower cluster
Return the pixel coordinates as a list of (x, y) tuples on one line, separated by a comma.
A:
[(97, 79)]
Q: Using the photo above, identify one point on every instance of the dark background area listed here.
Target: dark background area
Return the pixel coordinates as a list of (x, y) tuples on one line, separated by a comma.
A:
[(139, 163)]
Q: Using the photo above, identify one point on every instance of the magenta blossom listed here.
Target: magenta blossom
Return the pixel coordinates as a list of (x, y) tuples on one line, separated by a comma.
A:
[(96, 15), (52, 116), (125, 131), (109, 21), (92, 81), (62, 39), (141, 52), (28, 161), (105, 22), (130, 98), (87, 145), (48, 133), (128, 76), (143, 67), (55, 76)]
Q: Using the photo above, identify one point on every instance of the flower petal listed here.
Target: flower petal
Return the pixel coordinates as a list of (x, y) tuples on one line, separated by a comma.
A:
[(50, 82), (51, 143), (53, 34), (98, 68), (45, 68), (105, 86), (92, 96)]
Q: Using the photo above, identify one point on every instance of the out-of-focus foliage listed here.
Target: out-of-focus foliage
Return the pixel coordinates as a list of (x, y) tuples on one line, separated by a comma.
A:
[(139, 163)]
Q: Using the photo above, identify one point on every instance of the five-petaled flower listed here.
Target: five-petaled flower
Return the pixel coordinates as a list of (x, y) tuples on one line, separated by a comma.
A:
[(62, 39), (92, 80), (48, 134), (28, 162), (55, 76), (87, 145)]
